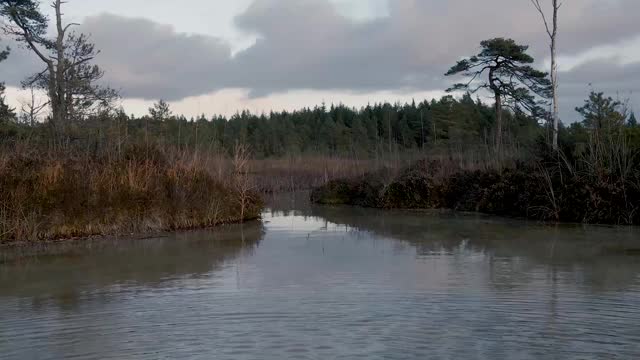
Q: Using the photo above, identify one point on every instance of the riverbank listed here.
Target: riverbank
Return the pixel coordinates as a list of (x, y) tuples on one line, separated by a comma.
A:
[(535, 190), (54, 195)]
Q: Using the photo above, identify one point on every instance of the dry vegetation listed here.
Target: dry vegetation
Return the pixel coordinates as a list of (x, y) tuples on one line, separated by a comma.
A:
[(55, 191), (601, 185), (62, 194)]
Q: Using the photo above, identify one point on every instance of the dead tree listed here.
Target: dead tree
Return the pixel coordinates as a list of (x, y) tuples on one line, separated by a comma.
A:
[(32, 107), (552, 31), (241, 181)]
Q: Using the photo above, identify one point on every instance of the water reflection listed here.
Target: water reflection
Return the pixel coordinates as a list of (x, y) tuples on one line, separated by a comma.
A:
[(93, 270), (331, 282), (601, 257)]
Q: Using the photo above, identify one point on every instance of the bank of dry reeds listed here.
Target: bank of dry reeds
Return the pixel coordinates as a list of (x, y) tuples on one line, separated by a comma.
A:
[(600, 185), (49, 194)]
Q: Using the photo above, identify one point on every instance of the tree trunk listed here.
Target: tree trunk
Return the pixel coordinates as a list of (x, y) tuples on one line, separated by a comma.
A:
[(554, 84), (554, 75), (421, 131), (552, 31), (389, 125), (60, 100), (498, 123), (56, 121), (498, 96)]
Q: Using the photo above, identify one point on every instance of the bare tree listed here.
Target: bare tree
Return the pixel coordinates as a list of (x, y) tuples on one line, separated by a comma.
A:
[(241, 180), (552, 31), (69, 78), (32, 107)]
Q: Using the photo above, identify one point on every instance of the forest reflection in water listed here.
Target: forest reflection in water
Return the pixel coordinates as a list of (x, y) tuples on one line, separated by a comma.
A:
[(328, 282)]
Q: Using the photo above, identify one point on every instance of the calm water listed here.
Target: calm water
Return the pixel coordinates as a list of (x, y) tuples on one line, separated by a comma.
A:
[(331, 283)]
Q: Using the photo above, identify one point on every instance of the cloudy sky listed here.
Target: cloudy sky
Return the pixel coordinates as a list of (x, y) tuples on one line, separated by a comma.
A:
[(221, 56)]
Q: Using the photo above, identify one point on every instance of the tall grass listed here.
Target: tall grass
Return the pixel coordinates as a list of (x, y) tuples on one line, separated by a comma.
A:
[(604, 178), (304, 172), (601, 185), (51, 194)]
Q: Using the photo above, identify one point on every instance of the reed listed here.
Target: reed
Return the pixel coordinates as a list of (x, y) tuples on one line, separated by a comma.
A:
[(62, 194), (600, 186)]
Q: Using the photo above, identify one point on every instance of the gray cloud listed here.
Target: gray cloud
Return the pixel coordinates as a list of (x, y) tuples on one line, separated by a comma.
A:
[(308, 44), (141, 58), (20, 63), (617, 80), (152, 61)]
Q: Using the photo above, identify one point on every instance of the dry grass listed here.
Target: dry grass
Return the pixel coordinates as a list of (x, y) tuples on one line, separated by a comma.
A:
[(601, 188), (49, 193), (306, 172), (61, 195)]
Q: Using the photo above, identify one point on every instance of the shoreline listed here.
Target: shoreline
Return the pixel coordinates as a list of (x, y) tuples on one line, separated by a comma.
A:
[(453, 212), (533, 191), (129, 236)]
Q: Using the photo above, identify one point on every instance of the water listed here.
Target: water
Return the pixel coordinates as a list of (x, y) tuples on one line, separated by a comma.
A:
[(330, 283)]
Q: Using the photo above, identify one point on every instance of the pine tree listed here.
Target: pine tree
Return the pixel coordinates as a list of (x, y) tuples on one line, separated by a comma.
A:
[(632, 122), (600, 112), (6, 112), (513, 82)]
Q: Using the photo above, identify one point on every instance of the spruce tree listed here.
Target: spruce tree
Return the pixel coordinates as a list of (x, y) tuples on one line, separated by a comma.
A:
[(632, 120)]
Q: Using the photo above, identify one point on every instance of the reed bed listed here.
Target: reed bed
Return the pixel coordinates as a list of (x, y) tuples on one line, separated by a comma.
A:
[(51, 195)]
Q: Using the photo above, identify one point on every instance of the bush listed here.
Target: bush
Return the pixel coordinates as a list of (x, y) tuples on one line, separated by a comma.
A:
[(535, 190), (359, 192)]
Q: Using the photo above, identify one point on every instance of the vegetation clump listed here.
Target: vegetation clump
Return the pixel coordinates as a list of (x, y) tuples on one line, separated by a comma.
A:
[(63, 195), (523, 192), (360, 191), (536, 190)]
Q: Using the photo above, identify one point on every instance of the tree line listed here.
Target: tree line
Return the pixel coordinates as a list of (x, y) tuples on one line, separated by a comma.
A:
[(81, 108), (448, 123)]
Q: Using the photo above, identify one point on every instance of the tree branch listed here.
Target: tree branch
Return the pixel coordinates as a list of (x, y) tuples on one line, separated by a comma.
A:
[(28, 37), (68, 26), (536, 4)]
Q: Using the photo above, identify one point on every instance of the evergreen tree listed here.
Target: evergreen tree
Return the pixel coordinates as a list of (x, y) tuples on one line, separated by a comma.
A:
[(160, 111), (632, 122), (600, 112), (6, 113), (511, 79)]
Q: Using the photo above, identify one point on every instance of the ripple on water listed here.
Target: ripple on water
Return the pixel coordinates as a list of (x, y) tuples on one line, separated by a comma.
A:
[(332, 285)]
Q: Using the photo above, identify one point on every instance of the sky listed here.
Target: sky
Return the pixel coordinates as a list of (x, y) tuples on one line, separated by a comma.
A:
[(220, 57)]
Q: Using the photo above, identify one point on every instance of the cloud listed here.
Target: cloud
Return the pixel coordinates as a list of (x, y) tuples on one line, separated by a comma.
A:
[(141, 58), (308, 45), (615, 79), (149, 60), (312, 45), (20, 63)]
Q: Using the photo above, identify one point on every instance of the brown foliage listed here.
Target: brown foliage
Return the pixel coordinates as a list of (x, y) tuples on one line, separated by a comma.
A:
[(527, 190), (48, 196)]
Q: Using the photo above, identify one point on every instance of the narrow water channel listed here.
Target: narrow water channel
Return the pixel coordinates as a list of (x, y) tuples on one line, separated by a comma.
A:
[(313, 282)]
